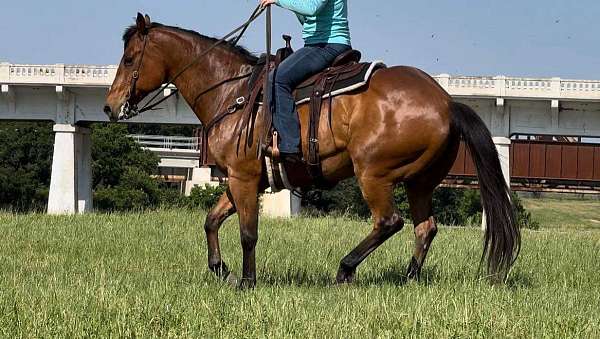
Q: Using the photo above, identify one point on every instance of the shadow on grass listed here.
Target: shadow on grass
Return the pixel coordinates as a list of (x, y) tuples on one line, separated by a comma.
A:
[(297, 278), (395, 275)]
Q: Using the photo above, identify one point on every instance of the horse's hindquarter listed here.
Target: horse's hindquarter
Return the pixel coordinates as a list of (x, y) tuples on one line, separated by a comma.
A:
[(400, 125)]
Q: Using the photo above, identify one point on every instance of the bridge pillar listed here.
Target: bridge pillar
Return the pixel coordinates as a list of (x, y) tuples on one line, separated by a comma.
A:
[(283, 204), (201, 176), (503, 147), (71, 177)]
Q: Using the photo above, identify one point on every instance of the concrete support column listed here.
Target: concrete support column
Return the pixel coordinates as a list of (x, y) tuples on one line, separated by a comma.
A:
[(71, 177), (201, 176), (282, 204), (503, 147), (555, 109), (4, 72)]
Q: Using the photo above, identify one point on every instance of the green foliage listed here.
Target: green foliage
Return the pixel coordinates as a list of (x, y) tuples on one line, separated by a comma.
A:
[(205, 197), (172, 198), (450, 206), (524, 218), (25, 162), (457, 206), (135, 190), (122, 171), (344, 199), (113, 152)]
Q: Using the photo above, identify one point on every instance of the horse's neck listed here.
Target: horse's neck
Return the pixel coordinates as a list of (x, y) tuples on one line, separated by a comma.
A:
[(215, 67)]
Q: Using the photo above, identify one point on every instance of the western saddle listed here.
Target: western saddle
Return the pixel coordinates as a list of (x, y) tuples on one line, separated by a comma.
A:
[(345, 71)]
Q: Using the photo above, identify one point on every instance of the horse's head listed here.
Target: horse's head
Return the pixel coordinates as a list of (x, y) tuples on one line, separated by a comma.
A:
[(140, 72)]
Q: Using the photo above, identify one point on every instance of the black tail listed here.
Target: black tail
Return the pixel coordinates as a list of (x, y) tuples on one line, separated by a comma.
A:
[(502, 235)]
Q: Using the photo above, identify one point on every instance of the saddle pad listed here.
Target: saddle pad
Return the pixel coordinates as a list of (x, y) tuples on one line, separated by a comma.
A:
[(303, 94)]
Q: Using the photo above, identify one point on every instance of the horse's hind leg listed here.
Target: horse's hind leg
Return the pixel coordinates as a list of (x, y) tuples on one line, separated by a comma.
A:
[(419, 199), (378, 193), (215, 218)]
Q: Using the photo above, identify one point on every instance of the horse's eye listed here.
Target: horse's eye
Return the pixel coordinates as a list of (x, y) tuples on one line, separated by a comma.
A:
[(128, 61)]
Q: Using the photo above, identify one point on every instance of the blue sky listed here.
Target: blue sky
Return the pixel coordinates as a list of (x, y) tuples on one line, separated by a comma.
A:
[(469, 37)]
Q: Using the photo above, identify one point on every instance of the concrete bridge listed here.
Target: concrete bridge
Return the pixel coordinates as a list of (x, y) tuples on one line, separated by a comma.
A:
[(73, 95)]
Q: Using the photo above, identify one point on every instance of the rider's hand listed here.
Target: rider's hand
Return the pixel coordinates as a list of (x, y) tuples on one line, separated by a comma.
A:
[(265, 3)]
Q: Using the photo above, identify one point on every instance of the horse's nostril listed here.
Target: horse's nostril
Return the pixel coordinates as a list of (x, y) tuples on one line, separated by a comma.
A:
[(107, 109)]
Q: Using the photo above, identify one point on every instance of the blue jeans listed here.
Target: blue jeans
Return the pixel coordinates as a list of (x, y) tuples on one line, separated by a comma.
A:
[(298, 67)]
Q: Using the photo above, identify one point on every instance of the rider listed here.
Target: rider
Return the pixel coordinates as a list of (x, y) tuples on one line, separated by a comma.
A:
[(326, 35)]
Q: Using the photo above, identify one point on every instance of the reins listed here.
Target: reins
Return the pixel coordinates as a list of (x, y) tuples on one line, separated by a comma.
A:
[(151, 105)]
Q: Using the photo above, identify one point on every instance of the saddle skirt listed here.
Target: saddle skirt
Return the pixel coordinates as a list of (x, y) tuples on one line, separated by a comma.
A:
[(353, 77)]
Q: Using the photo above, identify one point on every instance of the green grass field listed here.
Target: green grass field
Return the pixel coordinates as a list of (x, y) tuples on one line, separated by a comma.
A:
[(565, 213), (145, 275)]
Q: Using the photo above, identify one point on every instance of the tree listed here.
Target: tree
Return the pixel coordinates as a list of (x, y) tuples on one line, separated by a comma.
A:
[(122, 170), (25, 163)]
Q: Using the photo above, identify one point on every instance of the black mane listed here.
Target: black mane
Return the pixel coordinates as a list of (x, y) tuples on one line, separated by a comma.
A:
[(132, 30)]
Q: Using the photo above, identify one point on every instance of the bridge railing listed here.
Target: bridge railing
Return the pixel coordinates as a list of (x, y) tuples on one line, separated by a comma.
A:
[(167, 142), (501, 86), (58, 74), (486, 86)]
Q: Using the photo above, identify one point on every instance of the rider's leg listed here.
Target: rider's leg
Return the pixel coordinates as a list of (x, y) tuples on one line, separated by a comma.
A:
[(291, 72)]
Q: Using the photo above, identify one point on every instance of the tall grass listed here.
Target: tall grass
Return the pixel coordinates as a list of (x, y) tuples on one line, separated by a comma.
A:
[(144, 274)]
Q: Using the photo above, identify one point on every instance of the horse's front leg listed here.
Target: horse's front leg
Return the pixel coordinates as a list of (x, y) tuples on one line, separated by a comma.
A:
[(215, 218), (244, 190)]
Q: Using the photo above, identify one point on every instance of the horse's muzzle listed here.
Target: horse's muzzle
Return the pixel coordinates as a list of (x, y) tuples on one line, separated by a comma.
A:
[(108, 112)]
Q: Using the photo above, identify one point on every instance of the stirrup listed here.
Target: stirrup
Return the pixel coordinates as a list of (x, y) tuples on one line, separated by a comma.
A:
[(275, 153)]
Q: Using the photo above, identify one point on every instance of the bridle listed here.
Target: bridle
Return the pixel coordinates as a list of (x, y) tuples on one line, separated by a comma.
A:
[(130, 110)]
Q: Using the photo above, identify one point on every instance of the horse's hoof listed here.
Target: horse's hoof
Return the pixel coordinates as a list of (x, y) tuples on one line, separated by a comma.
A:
[(413, 272), (220, 269), (247, 284), (345, 276)]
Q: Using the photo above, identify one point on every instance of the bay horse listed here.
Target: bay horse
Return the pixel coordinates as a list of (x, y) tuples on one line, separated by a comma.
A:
[(402, 128)]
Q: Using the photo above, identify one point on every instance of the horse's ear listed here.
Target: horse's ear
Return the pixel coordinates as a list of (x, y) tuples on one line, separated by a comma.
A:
[(148, 21), (140, 22)]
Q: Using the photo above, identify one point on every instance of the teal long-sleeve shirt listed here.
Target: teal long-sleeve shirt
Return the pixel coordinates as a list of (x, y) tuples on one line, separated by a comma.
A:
[(323, 21)]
